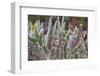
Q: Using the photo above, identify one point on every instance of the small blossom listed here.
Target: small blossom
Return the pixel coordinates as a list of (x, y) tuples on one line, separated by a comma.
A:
[(63, 42)]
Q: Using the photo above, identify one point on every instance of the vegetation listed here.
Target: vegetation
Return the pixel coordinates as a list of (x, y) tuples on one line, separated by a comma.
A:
[(57, 37)]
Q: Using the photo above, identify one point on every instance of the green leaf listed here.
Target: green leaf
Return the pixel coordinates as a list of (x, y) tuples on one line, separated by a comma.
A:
[(40, 38), (32, 39), (36, 33)]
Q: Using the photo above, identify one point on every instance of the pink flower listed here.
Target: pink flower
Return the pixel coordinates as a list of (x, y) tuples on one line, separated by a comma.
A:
[(63, 42), (54, 41)]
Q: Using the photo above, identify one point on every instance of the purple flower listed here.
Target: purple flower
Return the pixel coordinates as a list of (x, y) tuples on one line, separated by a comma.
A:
[(46, 22), (45, 30)]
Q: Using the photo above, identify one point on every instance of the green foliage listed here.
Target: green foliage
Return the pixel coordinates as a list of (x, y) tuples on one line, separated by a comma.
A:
[(34, 40), (41, 51), (33, 18)]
